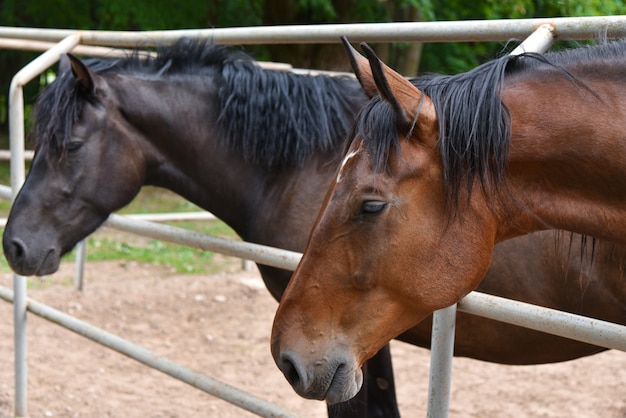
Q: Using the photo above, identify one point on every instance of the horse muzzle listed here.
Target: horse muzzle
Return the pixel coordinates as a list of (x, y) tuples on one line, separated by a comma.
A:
[(29, 261), (334, 378)]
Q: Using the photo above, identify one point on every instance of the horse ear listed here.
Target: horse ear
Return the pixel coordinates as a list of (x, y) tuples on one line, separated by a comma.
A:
[(82, 73), (361, 68), (406, 99), (64, 64)]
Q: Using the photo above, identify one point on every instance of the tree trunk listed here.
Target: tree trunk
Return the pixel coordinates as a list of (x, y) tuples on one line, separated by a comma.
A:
[(407, 55), (317, 56)]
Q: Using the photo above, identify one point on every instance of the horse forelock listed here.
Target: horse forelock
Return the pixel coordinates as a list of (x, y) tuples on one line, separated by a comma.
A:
[(376, 124), (56, 110)]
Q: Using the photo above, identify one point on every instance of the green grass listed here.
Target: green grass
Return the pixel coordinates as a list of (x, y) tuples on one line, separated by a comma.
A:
[(5, 179), (107, 244), (180, 259)]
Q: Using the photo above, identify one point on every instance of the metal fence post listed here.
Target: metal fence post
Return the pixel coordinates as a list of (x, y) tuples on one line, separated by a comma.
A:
[(441, 352), (16, 139), (442, 339)]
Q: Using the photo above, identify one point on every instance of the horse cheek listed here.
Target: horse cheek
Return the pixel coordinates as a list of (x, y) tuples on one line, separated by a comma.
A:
[(118, 185)]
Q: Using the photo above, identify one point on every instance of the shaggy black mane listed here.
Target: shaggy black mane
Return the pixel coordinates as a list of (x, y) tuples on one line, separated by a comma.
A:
[(271, 117), (474, 123)]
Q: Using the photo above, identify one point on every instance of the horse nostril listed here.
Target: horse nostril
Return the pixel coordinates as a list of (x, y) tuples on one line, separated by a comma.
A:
[(291, 370), (18, 249)]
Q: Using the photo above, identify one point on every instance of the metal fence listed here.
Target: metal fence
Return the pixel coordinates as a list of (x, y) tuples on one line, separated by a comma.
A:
[(55, 42)]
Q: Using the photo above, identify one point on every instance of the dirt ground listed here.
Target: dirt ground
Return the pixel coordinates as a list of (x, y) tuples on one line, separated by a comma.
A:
[(219, 325)]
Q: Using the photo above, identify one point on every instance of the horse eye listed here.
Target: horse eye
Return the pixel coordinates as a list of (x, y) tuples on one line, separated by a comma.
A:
[(74, 146), (373, 207)]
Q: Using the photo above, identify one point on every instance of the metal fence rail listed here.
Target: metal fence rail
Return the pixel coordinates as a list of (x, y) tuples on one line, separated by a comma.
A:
[(569, 28), (547, 320), (211, 386), (576, 327)]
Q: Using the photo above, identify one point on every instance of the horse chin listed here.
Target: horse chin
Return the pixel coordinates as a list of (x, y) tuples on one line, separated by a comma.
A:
[(47, 265), (345, 385), (50, 263)]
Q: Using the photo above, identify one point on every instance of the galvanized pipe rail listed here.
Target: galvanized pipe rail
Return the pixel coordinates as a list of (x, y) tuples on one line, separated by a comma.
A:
[(444, 320), (611, 335), (262, 254), (552, 321), (569, 28), (136, 352), (16, 138), (81, 247)]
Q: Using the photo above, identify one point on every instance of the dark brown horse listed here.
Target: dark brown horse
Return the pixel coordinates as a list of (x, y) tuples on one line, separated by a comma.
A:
[(258, 149), (436, 173), (204, 122)]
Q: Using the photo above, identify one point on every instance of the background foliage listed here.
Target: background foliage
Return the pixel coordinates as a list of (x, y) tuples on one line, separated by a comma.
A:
[(169, 14)]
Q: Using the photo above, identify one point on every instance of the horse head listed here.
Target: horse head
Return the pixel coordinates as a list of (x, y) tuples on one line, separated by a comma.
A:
[(81, 171), (385, 251)]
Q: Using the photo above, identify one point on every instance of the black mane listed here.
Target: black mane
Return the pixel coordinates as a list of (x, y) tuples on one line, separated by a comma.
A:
[(271, 117), (276, 118), (474, 123)]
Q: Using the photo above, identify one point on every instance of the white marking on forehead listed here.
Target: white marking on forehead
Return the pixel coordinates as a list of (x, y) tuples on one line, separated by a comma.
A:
[(345, 161)]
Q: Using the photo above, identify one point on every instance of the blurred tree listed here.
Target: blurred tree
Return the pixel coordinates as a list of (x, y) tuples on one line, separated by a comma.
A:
[(299, 12), (406, 57), (458, 57)]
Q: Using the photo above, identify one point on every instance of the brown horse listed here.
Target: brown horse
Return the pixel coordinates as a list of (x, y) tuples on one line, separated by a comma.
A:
[(436, 174)]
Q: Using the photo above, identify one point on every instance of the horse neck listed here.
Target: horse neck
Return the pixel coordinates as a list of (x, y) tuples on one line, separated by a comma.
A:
[(567, 160), (185, 153), (175, 123), (288, 202)]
